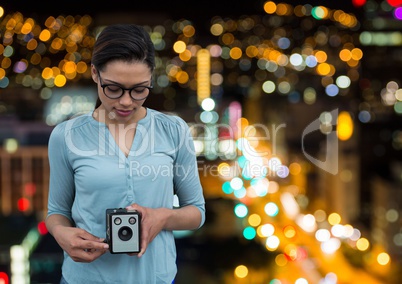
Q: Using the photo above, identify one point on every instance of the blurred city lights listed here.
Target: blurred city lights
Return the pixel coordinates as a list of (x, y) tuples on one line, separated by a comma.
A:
[(208, 104), (250, 50), (271, 209), (42, 228), (241, 271), (241, 210), (249, 233), (11, 145), (24, 204), (266, 230), (383, 258), (272, 243), (4, 279), (344, 126)]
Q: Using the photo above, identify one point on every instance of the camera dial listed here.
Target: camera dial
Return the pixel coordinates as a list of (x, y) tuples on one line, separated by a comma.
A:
[(132, 220), (125, 233)]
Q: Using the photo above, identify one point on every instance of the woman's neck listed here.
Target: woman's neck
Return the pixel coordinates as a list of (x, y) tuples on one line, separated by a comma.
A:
[(101, 115)]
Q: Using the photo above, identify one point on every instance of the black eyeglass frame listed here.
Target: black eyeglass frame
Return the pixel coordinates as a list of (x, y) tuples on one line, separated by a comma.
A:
[(103, 86)]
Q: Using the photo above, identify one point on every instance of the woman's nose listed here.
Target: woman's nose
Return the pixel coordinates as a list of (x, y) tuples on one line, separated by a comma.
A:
[(126, 99)]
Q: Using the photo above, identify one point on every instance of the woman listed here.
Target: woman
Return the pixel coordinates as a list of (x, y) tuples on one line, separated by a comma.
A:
[(122, 155)]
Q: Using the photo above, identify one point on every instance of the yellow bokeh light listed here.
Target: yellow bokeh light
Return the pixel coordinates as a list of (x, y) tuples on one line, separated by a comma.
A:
[(254, 220), (188, 31), (321, 56), (50, 21), (320, 215), (344, 126), (242, 123), (353, 63), (36, 58), (291, 251), (82, 67), (32, 44), (216, 29), (295, 168), (324, 12), (224, 169), (281, 260), (71, 75), (228, 38), (70, 67), (11, 145), (347, 19), (383, 258), (1, 12), (345, 55), (398, 94), (283, 9), (241, 271), (57, 44), (45, 35), (71, 47), (252, 51), (2, 73), (235, 53), (26, 28), (357, 53), (362, 244), (346, 175), (6, 63), (323, 69), (289, 231), (269, 7), (185, 55), (203, 75), (60, 80), (182, 77), (56, 71), (47, 73), (179, 46), (334, 219), (274, 55)]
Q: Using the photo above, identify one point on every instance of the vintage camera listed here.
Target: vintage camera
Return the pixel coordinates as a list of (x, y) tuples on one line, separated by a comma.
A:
[(123, 230)]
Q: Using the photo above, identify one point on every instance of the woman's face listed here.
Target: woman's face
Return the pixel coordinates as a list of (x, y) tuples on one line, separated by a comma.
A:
[(127, 75)]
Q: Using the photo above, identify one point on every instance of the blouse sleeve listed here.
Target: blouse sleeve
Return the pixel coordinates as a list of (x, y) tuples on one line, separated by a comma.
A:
[(187, 183), (61, 185)]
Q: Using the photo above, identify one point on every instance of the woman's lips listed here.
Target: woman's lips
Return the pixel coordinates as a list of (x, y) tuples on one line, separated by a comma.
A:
[(123, 112)]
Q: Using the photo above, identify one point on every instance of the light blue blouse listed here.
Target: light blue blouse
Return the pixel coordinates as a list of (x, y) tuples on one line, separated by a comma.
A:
[(89, 173)]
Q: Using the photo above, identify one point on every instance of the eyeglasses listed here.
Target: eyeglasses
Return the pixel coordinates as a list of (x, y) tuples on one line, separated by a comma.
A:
[(113, 91)]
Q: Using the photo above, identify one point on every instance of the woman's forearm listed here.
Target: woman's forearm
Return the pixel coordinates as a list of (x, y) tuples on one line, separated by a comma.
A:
[(55, 220), (185, 218)]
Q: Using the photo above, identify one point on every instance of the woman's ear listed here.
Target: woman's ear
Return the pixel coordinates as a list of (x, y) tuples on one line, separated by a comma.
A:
[(94, 73)]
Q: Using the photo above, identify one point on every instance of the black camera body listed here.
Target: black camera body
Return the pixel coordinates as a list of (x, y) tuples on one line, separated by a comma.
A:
[(123, 230)]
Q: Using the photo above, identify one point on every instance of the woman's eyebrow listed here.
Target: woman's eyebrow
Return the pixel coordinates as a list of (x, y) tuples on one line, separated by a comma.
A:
[(117, 83)]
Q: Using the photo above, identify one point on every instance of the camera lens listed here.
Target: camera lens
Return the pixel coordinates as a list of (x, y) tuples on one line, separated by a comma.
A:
[(125, 233), (117, 221), (132, 220)]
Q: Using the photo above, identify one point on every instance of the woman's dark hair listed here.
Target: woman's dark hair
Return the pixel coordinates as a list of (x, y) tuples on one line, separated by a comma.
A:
[(126, 42)]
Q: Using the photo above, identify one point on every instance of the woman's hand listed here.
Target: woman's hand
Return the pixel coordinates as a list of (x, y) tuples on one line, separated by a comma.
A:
[(152, 222), (80, 245)]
